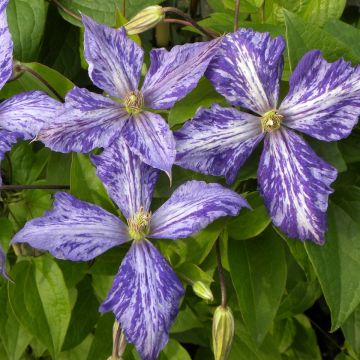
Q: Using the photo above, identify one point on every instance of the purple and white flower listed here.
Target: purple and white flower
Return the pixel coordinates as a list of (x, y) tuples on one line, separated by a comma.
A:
[(90, 120), (21, 116), (146, 292), (323, 102)]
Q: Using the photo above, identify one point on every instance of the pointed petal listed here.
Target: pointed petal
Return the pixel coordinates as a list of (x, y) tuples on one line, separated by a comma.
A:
[(86, 121), (7, 140), (150, 138), (172, 75), (114, 60), (6, 46), (295, 184), (247, 69), (3, 271), (128, 180), (217, 141), (27, 112), (193, 206), (74, 230), (145, 298), (324, 98)]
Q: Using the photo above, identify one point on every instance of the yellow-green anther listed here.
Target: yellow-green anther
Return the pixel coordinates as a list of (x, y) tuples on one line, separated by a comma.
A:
[(139, 225), (222, 332), (146, 19), (203, 291), (134, 102), (271, 121)]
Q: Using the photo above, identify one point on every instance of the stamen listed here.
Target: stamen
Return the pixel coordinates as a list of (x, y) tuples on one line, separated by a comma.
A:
[(139, 224), (134, 102), (271, 121)]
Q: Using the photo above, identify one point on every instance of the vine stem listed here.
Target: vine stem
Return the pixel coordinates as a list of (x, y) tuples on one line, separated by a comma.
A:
[(236, 15), (115, 352), (221, 274), (23, 67), (33, 187), (177, 21), (190, 20), (66, 10)]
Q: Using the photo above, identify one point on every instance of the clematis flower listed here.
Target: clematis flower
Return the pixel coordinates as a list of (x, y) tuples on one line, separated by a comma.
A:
[(22, 115), (323, 102), (91, 120), (146, 292)]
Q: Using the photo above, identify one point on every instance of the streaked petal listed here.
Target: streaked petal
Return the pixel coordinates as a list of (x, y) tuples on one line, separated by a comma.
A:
[(172, 75), (217, 141), (27, 112), (86, 121), (145, 298), (193, 206), (7, 140), (114, 60), (3, 271), (150, 138), (74, 230), (6, 46), (128, 180), (295, 184), (248, 69), (324, 98)]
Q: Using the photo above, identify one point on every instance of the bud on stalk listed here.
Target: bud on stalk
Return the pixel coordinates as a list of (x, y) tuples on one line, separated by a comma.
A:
[(146, 19), (202, 291), (222, 332)]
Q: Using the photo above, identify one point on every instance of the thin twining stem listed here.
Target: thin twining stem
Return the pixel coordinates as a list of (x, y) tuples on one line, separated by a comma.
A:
[(236, 15), (188, 18), (221, 274), (33, 187)]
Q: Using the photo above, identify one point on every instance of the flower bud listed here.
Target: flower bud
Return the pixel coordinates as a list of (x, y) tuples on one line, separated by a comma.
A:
[(222, 332), (202, 290), (146, 19)]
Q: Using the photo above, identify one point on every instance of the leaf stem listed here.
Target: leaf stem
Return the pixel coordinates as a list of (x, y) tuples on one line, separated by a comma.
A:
[(177, 21), (33, 187), (66, 10), (188, 18), (236, 14), (41, 79), (221, 274)]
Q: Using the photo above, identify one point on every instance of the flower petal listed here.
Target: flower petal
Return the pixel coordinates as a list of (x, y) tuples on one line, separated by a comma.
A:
[(128, 180), (86, 121), (193, 206), (145, 298), (217, 141), (74, 230), (172, 75), (150, 138), (295, 184), (27, 112), (324, 98), (114, 60), (247, 69), (3, 271), (6, 48)]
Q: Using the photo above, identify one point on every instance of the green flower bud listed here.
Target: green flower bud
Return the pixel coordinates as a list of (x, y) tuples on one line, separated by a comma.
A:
[(222, 332), (146, 19), (203, 291)]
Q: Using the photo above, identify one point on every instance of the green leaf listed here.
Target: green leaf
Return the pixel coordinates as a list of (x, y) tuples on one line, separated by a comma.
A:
[(302, 36), (27, 23), (250, 223), (351, 330), (203, 95), (350, 148), (174, 351), (6, 232), (339, 257), (258, 272), (40, 301), (58, 169), (85, 185)]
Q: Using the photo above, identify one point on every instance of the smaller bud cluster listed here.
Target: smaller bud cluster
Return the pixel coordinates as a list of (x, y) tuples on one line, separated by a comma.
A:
[(139, 224), (146, 19)]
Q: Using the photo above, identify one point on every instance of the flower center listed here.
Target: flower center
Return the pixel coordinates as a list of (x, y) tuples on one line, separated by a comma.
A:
[(271, 121), (134, 102), (139, 224)]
